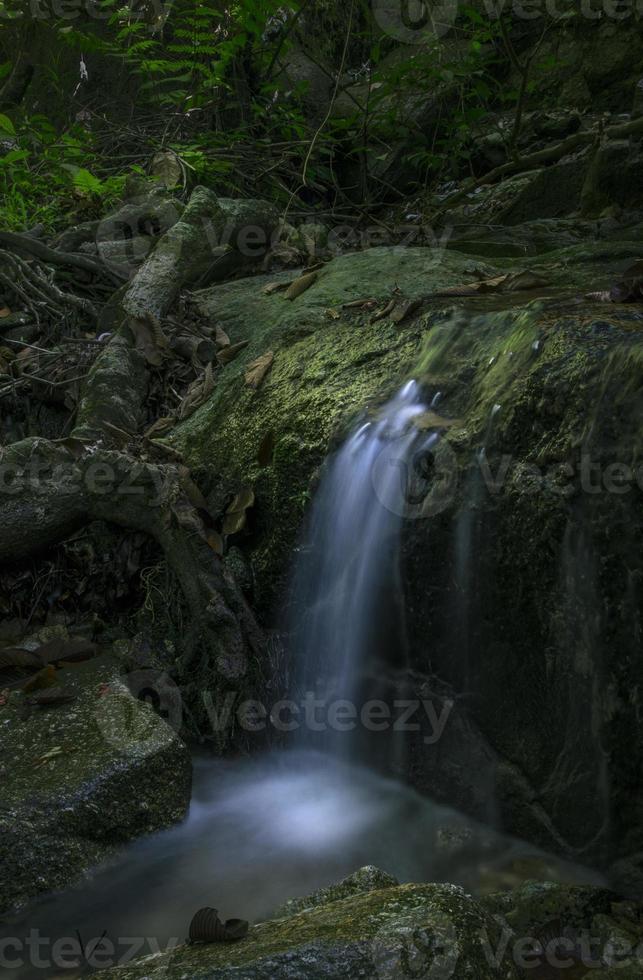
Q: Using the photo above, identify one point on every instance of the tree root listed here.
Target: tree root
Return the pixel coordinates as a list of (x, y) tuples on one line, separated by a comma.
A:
[(102, 471)]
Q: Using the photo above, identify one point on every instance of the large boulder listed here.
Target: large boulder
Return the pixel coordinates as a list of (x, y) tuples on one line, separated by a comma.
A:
[(82, 778), (388, 933), (541, 684)]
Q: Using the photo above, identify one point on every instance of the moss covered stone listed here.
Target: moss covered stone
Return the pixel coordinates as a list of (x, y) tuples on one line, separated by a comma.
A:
[(81, 778), (409, 930)]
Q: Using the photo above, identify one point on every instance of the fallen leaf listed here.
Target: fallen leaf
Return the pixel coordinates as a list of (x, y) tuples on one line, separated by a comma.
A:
[(333, 314), (221, 338), (235, 515), (510, 282), (227, 354), (300, 285), (149, 338), (215, 541), (159, 428), (404, 310), (276, 287), (4, 697), (431, 420), (384, 312), (359, 304), (43, 679), (198, 392), (258, 369), (4, 311)]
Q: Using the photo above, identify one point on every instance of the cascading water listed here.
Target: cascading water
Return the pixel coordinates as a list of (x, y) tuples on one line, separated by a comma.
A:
[(349, 609)]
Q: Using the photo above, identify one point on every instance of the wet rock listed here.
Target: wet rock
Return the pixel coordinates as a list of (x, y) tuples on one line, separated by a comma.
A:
[(435, 930), (367, 879), (84, 778)]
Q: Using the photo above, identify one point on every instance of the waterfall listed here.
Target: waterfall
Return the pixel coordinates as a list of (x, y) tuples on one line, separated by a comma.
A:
[(349, 610)]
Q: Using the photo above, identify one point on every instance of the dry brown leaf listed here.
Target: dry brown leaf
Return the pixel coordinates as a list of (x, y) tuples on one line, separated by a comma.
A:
[(384, 312), (276, 287), (163, 425), (404, 310), (221, 338), (235, 515), (431, 420), (227, 354), (4, 311), (258, 369), (43, 679), (149, 338), (300, 285), (510, 282), (198, 392), (359, 304), (333, 314), (215, 541)]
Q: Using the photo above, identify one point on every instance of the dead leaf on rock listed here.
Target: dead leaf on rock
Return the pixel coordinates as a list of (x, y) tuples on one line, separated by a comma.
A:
[(360, 304), (4, 311), (235, 515), (149, 338), (221, 338), (215, 541), (258, 369), (198, 393), (228, 354), (161, 427), (384, 312), (629, 289), (276, 287), (404, 310), (431, 420), (300, 285), (510, 282), (43, 679)]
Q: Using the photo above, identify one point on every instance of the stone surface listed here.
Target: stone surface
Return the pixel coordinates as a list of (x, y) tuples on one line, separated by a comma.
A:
[(434, 930), (82, 778), (541, 683), (367, 879)]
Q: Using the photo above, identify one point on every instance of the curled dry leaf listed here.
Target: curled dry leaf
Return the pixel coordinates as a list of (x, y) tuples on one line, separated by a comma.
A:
[(161, 427), (235, 515), (227, 354), (300, 285), (149, 338), (221, 338), (4, 312), (43, 679), (384, 312), (509, 283), (258, 369), (431, 420), (198, 392), (276, 287), (215, 541), (404, 310), (360, 304)]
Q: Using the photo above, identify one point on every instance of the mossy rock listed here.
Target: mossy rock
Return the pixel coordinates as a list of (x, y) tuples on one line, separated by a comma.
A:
[(408, 930), (367, 879), (83, 778)]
